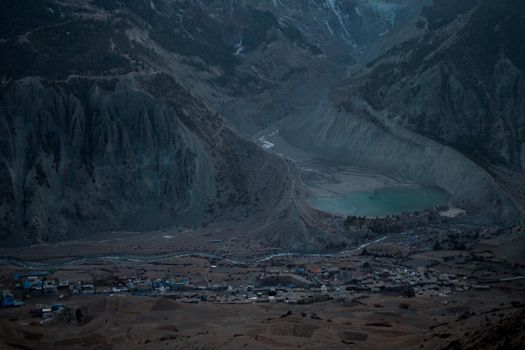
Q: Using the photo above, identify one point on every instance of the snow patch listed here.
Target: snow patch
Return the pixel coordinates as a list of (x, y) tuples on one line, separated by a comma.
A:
[(452, 213), (239, 47), (265, 144), (329, 28), (335, 9), (261, 76)]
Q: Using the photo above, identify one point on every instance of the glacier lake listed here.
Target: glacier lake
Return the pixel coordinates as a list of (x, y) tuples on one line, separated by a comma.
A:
[(382, 202)]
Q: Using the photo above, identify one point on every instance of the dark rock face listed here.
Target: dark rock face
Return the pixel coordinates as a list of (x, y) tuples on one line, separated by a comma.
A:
[(103, 159), (460, 82), (86, 156), (101, 132)]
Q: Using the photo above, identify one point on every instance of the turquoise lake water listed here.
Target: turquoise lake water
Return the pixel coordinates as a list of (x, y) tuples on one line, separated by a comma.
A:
[(386, 201)]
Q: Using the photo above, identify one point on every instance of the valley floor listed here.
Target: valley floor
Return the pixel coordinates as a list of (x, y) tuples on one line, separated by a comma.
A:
[(441, 287)]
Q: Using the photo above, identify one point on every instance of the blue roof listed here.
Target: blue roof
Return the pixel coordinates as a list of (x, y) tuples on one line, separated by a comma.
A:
[(8, 300)]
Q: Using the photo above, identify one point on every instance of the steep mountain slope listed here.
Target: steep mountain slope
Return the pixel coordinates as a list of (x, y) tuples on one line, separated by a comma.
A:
[(135, 114), (359, 139), (244, 57), (98, 135), (107, 109), (460, 83), (444, 107), (93, 155)]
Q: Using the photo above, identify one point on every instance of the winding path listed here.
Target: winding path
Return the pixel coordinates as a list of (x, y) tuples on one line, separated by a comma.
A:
[(29, 264)]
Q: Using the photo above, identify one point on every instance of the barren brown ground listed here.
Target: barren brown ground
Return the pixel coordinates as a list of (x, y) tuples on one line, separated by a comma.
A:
[(376, 322), (473, 319)]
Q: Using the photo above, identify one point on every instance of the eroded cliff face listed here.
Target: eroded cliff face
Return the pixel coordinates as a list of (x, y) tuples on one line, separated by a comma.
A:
[(391, 149), (132, 153), (95, 159), (100, 133)]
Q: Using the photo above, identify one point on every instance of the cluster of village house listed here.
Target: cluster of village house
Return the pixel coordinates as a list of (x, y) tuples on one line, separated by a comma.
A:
[(291, 285), (338, 283)]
